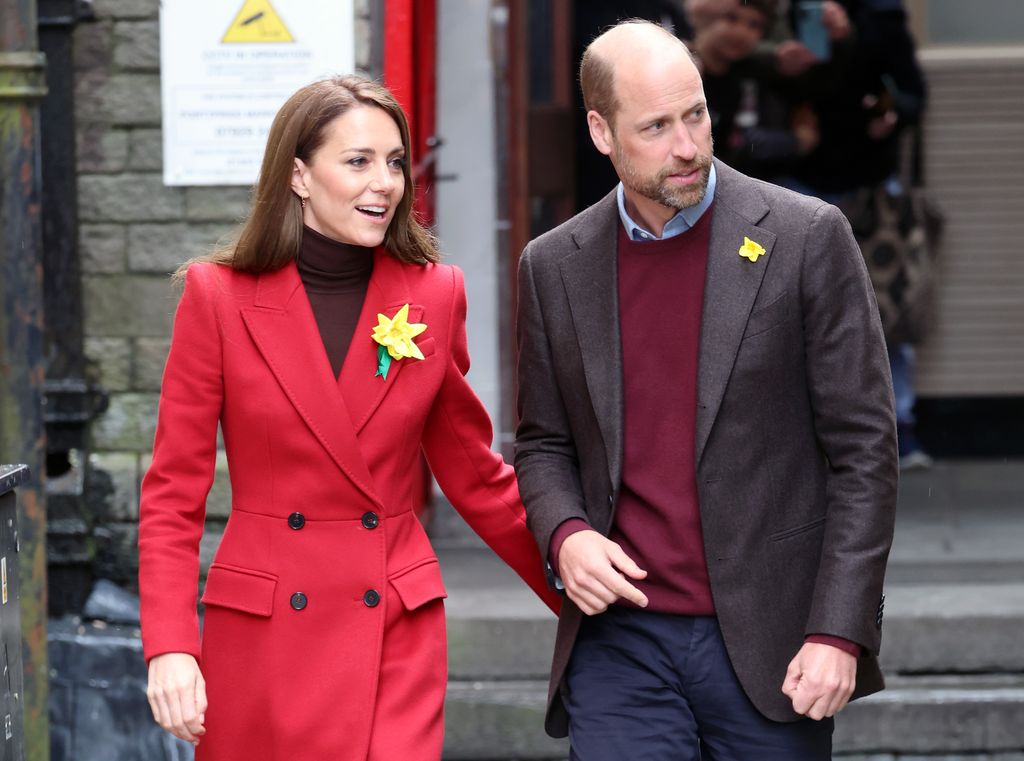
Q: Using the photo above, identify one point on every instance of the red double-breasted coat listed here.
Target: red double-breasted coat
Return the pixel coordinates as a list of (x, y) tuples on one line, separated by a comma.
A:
[(323, 634)]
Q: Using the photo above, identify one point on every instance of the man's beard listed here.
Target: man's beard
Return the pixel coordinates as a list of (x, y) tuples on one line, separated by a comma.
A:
[(659, 189)]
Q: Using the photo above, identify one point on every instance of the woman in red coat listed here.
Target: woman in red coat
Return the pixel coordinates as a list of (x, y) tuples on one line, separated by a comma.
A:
[(330, 346)]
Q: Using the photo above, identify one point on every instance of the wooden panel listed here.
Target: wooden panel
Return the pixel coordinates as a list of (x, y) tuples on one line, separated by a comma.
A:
[(975, 168), (551, 150)]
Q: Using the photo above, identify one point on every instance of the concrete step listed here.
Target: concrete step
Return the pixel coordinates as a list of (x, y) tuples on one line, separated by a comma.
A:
[(960, 522), (497, 628), (955, 608), (497, 721), (954, 650), (954, 628), (936, 717), (937, 714)]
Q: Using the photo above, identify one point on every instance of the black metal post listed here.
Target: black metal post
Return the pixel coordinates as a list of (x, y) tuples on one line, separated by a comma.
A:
[(63, 301), (71, 402)]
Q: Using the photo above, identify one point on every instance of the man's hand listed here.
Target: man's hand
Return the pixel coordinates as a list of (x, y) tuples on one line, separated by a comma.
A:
[(820, 680), (177, 695), (594, 570)]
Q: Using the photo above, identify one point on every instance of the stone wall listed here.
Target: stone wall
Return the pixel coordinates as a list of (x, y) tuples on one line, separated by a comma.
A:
[(133, 233)]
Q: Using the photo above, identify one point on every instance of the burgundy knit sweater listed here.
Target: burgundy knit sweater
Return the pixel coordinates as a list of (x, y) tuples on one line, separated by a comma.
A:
[(657, 518)]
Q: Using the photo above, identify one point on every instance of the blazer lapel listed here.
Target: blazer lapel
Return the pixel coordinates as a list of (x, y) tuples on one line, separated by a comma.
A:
[(388, 292), (590, 277), (282, 325), (730, 287)]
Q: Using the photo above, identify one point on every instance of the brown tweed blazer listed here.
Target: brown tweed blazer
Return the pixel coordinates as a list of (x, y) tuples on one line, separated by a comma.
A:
[(796, 436)]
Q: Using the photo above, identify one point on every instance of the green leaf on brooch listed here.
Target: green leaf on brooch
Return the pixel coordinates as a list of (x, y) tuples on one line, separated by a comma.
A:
[(383, 362)]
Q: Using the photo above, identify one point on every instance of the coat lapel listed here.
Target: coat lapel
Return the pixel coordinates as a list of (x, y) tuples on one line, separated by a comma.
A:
[(388, 292), (730, 287), (590, 277), (282, 325)]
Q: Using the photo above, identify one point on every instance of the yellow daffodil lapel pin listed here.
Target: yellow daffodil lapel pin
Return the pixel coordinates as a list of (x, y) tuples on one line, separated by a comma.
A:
[(751, 249), (395, 338)]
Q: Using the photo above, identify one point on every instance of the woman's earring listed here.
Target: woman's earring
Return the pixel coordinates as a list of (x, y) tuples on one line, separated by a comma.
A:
[(302, 200)]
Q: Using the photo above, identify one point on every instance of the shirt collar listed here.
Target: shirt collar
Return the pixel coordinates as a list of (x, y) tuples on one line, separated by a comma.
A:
[(680, 223)]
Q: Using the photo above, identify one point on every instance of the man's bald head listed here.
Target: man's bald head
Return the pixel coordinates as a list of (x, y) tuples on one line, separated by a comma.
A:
[(616, 49)]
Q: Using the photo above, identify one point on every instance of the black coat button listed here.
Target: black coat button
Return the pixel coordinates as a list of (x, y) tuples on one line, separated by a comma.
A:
[(298, 601), (372, 598), (370, 520), (296, 520)]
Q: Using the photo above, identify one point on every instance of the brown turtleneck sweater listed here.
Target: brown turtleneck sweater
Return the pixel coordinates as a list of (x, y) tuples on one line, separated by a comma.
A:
[(335, 276)]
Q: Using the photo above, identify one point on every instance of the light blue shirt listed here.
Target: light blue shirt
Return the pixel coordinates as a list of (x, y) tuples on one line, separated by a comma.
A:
[(680, 223)]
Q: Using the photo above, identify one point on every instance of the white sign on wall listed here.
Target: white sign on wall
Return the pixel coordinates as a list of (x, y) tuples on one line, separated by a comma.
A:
[(228, 65)]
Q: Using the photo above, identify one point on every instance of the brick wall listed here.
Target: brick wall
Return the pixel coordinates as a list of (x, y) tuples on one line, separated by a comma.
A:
[(133, 233)]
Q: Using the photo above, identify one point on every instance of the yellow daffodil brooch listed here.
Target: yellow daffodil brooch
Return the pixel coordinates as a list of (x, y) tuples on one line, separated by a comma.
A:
[(395, 338), (750, 249)]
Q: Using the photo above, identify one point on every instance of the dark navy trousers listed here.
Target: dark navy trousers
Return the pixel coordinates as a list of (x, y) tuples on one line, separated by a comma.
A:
[(644, 686)]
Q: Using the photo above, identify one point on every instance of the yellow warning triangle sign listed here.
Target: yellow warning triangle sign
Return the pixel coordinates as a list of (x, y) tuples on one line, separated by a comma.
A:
[(257, 22)]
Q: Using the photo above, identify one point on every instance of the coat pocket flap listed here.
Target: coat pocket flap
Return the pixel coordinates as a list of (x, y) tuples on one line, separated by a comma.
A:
[(240, 589), (426, 347), (803, 528), (419, 585), (763, 319)]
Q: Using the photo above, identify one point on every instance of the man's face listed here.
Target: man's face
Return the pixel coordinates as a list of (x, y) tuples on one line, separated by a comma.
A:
[(661, 142), (672, 185), (736, 32)]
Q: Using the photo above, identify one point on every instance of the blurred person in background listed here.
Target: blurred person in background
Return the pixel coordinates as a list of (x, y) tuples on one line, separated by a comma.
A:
[(754, 93), (759, 119), (866, 162)]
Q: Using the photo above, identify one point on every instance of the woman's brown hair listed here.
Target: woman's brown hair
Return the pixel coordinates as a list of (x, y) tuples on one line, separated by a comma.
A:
[(271, 235)]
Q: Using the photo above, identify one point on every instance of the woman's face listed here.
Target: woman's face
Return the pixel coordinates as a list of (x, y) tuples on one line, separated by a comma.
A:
[(353, 182)]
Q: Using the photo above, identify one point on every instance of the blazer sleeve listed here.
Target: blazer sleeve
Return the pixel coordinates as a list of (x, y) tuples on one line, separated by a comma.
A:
[(546, 459), (480, 485), (854, 421), (173, 498)]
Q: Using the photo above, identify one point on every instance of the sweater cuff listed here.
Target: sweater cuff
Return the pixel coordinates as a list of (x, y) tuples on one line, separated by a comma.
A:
[(564, 530), (843, 644)]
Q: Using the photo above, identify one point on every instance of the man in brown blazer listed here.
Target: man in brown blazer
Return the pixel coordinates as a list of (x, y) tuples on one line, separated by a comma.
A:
[(707, 448)]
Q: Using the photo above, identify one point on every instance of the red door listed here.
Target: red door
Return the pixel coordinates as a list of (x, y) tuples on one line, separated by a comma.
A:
[(410, 72)]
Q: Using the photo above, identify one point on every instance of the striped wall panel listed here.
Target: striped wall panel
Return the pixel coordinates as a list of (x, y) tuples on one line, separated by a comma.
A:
[(974, 167)]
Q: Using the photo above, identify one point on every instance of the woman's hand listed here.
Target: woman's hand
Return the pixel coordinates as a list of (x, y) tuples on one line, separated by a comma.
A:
[(177, 695)]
